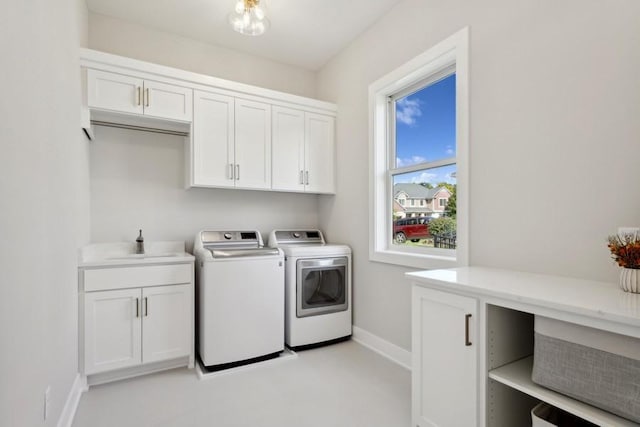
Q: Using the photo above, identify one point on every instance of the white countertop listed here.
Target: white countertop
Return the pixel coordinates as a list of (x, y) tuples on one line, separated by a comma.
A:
[(601, 300), (123, 253)]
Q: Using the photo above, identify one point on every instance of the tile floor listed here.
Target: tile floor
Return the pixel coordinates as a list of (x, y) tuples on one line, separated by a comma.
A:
[(342, 385)]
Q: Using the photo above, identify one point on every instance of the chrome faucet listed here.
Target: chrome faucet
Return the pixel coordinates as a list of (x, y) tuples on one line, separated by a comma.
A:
[(140, 244)]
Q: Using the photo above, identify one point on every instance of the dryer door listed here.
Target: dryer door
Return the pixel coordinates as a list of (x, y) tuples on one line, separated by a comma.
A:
[(321, 286)]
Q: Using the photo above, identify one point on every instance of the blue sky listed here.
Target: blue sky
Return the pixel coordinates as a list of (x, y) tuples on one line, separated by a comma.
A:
[(426, 131)]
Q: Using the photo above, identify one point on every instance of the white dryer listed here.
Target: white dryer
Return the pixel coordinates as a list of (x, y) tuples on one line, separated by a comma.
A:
[(317, 288), (240, 298)]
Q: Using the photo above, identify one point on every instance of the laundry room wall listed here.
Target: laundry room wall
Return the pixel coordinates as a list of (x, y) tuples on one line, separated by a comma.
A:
[(137, 178), (137, 181), (554, 138), (45, 206)]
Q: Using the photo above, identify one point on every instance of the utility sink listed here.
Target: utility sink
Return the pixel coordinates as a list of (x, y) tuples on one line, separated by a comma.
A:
[(145, 256)]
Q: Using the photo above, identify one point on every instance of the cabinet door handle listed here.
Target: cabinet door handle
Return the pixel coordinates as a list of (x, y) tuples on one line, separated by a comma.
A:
[(302, 177), (147, 96), (231, 177), (137, 307), (467, 342), (138, 94), (306, 178), (146, 306), (237, 172)]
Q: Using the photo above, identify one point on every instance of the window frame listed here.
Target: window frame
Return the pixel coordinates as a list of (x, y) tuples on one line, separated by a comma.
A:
[(430, 66)]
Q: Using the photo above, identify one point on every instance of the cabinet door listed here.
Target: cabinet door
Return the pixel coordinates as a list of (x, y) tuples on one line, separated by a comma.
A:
[(167, 101), (288, 149), (213, 140), (167, 322), (253, 144), (115, 92), (320, 153), (112, 327), (445, 359)]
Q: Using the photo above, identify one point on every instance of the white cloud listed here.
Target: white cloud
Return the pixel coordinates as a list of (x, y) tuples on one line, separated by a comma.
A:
[(449, 150), (413, 160), (407, 110), (424, 177)]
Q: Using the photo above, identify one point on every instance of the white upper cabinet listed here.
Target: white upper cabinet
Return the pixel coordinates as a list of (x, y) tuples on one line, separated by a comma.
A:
[(303, 151), (127, 94), (231, 142), (213, 140), (253, 145), (288, 149), (238, 136), (319, 153)]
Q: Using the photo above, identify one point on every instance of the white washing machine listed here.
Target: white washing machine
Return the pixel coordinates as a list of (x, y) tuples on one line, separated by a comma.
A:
[(317, 288), (240, 298)]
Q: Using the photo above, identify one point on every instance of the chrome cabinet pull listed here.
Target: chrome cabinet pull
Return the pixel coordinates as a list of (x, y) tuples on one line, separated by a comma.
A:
[(307, 178), (147, 96), (237, 172), (231, 177), (302, 177), (138, 93), (137, 307), (146, 306), (467, 342)]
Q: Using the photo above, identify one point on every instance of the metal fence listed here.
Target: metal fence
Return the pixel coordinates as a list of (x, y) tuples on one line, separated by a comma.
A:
[(444, 241)]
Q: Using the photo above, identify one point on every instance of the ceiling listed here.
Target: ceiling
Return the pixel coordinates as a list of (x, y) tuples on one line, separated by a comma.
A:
[(304, 33)]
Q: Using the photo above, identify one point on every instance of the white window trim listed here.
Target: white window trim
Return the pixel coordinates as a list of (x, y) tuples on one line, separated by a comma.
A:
[(453, 50)]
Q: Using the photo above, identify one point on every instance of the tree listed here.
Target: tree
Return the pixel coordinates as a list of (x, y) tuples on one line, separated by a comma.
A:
[(450, 187), (452, 209), (427, 185)]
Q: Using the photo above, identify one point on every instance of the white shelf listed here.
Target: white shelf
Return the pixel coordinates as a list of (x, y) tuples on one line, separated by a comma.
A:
[(517, 375)]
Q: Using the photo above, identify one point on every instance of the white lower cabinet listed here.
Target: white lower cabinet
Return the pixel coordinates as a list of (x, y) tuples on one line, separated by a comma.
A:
[(135, 319), (130, 327), (112, 330), (445, 359), (166, 322)]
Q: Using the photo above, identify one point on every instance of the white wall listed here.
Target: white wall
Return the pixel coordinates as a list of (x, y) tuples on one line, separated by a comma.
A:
[(44, 215), (137, 181), (554, 137), (123, 38)]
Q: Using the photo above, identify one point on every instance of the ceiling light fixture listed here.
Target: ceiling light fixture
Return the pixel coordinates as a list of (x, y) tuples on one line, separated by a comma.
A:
[(249, 18)]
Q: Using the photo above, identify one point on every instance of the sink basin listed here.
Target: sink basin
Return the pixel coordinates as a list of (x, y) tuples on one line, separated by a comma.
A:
[(145, 256)]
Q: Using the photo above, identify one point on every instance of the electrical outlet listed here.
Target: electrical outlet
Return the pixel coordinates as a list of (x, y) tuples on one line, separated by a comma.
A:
[(625, 231), (47, 401)]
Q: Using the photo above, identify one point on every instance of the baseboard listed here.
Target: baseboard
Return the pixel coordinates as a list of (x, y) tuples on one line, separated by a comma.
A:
[(383, 347), (71, 405)]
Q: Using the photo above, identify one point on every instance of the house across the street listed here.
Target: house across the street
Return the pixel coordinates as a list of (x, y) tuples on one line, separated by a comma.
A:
[(416, 200)]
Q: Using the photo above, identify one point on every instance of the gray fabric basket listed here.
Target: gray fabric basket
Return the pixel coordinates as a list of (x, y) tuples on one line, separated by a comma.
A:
[(597, 367)]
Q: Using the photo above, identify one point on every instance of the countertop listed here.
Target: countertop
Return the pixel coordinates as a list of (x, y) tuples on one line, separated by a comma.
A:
[(594, 299), (123, 253)]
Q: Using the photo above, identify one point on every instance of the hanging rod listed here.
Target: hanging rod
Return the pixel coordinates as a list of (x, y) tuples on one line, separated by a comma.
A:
[(139, 128)]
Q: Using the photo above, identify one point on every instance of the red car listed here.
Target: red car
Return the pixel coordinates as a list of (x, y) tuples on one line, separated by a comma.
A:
[(413, 229)]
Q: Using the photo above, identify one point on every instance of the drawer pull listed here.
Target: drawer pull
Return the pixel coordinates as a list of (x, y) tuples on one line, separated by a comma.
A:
[(137, 307), (467, 342)]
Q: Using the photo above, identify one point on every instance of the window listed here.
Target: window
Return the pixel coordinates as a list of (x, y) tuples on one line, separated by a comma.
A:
[(419, 132)]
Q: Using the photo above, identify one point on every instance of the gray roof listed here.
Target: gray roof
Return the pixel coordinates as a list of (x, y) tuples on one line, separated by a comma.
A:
[(415, 191)]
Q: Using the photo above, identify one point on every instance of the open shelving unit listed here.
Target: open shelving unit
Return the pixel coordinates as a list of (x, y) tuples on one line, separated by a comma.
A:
[(517, 375)]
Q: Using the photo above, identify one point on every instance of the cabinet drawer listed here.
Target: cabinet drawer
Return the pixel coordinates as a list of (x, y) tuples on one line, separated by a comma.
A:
[(140, 276)]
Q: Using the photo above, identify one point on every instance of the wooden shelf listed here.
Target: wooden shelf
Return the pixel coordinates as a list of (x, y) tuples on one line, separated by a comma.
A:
[(517, 375)]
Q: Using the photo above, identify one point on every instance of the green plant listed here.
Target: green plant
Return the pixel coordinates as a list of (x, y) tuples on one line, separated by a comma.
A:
[(625, 250), (442, 226)]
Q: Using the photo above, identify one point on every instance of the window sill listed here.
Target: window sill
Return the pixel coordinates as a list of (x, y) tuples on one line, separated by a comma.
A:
[(405, 259)]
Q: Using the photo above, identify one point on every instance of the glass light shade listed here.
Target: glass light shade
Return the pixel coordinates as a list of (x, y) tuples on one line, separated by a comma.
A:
[(249, 18)]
